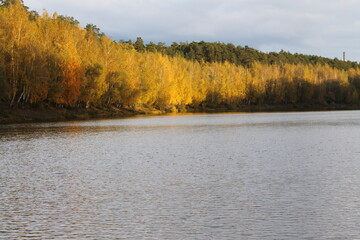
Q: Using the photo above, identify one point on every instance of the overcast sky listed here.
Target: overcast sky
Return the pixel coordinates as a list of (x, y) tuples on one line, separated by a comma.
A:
[(319, 27)]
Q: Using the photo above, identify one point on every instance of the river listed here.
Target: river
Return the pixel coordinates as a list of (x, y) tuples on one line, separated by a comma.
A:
[(201, 176)]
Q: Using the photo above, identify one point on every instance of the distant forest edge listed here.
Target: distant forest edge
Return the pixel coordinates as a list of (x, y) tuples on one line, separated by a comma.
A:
[(51, 60), (238, 55)]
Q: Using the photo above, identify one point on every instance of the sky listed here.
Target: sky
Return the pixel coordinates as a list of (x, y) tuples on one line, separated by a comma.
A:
[(317, 27)]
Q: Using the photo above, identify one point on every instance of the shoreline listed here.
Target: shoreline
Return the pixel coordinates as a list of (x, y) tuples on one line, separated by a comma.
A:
[(53, 114)]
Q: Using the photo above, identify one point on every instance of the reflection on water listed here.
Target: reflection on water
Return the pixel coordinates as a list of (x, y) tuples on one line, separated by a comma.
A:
[(217, 176)]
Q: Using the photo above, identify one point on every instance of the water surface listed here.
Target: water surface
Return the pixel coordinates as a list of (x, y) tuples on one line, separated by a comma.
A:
[(209, 176)]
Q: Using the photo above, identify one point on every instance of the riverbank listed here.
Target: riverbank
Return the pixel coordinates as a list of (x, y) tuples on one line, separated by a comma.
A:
[(54, 114), (276, 108), (27, 114)]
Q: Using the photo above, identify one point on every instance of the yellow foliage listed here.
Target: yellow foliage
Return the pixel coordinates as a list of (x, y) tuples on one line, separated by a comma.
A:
[(51, 59)]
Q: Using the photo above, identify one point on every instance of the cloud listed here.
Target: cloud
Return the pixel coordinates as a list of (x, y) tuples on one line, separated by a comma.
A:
[(322, 27)]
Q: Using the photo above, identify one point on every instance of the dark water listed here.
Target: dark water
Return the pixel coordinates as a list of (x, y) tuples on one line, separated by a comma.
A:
[(220, 176)]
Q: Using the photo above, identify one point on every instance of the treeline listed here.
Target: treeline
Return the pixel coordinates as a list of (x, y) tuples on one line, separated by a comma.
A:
[(51, 59), (238, 55)]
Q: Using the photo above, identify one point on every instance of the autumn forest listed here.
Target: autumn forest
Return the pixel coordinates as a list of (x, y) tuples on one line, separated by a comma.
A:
[(52, 60)]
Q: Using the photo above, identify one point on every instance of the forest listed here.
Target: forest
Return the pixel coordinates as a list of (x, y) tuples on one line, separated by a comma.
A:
[(50, 60)]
